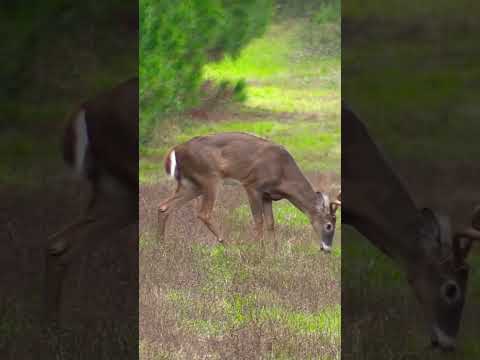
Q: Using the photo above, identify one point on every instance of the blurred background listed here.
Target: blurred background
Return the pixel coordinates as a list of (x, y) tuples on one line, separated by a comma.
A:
[(56, 54), (409, 70)]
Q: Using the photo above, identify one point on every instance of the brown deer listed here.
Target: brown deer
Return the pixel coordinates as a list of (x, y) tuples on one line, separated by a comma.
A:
[(101, 145), (421, 241), (266, 171)]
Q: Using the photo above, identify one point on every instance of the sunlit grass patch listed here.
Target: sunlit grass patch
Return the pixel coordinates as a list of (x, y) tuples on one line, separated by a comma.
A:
[(235, 311), (326, 322), (263, 58), (278, 98), (150, 171), (267, 58), (260, 128)]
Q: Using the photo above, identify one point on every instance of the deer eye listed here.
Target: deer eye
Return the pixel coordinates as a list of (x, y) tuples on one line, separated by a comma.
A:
[(450, 292), (328, 227)]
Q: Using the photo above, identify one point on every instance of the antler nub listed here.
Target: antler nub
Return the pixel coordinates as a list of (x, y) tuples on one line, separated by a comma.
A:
[(464, 238), (335, 204)]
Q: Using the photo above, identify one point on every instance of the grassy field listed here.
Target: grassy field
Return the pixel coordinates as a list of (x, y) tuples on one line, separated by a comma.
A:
[(201, 300), (430, 100)]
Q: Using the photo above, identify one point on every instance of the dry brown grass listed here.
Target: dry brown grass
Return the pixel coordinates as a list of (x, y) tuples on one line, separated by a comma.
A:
[(201, 301)]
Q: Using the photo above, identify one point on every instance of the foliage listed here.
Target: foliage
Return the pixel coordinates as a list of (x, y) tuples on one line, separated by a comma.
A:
[(61, 52), (178, 38)]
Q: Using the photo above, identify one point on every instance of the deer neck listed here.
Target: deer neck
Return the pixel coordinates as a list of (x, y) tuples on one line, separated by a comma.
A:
[(305, 198), (394, 229)]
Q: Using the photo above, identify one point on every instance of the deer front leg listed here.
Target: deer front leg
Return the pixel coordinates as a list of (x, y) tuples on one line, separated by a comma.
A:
[(269, 221), (255, 199)]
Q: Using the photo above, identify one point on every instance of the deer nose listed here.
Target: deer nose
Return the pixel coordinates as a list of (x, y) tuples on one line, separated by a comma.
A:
[(442, 340), (325, 247)]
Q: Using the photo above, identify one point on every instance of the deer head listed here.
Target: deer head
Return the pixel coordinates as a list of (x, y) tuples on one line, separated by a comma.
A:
[(440, 282), (327, 209)]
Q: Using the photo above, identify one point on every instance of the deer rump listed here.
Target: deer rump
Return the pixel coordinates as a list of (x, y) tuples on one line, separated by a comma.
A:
[(98, 119)]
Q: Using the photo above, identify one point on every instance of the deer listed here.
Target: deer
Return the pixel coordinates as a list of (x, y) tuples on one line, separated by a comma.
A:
[(429, 250), (266, 171), (100, 144)]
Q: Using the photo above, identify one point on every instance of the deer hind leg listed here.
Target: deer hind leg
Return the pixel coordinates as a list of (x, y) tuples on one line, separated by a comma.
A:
[(206, 209), (57, 255), (66, 246), (183, 195)]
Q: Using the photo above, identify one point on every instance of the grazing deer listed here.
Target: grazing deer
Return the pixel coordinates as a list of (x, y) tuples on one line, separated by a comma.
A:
[(101, 145), (422, 242), (266, 171)]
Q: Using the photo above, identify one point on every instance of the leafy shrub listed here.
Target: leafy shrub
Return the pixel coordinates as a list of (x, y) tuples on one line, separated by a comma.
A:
[(178, 37)]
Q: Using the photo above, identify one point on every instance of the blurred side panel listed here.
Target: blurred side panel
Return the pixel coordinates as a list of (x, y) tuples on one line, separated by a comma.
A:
[(410, 141), (69, 180)]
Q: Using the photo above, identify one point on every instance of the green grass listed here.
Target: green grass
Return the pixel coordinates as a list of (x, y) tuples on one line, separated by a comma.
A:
[(239, 310), (285, 214)]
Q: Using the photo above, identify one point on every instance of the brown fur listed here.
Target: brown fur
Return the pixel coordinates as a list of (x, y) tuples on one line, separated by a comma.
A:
[(266, 171)]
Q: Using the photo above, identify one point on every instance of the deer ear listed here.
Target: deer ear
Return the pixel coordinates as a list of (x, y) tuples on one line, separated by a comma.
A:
[(461, 247), (323, 200), (463, 240), (476, 218), (429, 231)]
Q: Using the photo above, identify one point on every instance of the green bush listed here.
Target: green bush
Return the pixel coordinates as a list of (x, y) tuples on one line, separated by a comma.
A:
[(178, 38)]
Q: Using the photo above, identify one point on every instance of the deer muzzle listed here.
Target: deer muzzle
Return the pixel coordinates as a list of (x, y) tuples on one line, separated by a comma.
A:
[(442, 340)]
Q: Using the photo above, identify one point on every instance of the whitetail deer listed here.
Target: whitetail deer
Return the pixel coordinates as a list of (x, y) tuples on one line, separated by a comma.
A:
[(101, 145), (422, 242), (266, 171)]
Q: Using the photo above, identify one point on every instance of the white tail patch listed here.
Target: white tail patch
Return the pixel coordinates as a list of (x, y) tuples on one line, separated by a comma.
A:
[(81, 142), (173, 163)]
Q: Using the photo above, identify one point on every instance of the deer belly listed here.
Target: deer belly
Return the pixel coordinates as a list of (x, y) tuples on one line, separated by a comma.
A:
[(231, 182), (274, 196)]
